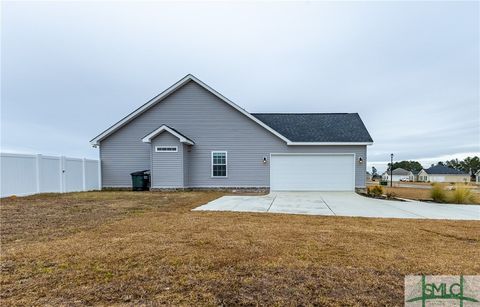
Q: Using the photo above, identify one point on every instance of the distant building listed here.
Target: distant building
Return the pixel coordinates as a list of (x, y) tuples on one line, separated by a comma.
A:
[(441, 173), (414, 175), (398, 174)]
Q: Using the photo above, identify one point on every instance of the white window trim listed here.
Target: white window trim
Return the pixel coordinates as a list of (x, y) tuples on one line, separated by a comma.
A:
[(165, 151), (226, 164)]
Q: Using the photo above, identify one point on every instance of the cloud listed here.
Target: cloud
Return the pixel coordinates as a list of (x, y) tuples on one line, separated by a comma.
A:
[(70, 70)]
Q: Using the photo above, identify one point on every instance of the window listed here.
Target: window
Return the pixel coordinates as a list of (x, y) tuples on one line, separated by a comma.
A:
[(219, 164), (166, 148)]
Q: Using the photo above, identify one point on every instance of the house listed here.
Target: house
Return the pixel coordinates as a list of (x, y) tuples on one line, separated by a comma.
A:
[(376, 177), (385, 176), (398, 174), (191, 136), (413, 175), (477, 176), (441, 173)]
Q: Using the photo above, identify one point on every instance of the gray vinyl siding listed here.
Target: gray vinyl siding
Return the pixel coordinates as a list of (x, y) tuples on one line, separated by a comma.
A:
[(167, 167), (213, 125), (186, 158)]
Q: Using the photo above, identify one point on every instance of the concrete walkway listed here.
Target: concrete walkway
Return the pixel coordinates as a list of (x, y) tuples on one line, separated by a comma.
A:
[(341, 204)]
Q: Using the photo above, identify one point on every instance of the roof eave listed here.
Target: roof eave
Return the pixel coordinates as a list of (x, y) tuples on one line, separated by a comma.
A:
[(327, 143), (96, 141), (148, 138), (182, 140), (452, 174), (140, 110)]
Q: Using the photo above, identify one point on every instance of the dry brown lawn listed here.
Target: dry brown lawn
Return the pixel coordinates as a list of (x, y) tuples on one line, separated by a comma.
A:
[(410, 193), (127, 248)]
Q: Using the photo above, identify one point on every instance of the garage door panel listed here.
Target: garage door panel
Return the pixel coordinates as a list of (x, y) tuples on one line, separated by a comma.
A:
[(312, 172)]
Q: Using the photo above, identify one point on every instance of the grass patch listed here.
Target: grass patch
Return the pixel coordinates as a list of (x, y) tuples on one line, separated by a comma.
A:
[(126, 248), (426, 194), (462, 195), (375, 191), (410, 193), (438, 194)]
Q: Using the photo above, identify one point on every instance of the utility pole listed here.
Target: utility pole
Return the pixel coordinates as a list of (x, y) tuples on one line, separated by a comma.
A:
[(391, 170)]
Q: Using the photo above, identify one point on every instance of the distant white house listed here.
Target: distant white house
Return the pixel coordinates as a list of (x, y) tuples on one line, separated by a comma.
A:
[(440, 173), (398, 174), (414, 175), (477, 176)]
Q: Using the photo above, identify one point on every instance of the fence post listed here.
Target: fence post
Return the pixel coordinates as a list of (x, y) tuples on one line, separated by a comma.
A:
[(60, 168), (62, 174), (84, 175), (99, 174), (38, 160)]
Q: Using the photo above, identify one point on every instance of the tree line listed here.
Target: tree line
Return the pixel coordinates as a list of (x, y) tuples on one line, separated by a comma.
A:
[(469, 165)]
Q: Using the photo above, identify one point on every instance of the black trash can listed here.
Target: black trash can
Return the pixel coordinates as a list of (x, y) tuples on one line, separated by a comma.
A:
[(141, 180)]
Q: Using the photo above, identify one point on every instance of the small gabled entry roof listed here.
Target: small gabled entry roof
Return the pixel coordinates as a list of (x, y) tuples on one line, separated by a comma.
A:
[(182, 138)]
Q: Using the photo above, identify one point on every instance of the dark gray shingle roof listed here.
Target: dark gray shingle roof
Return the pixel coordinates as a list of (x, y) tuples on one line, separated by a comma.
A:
[(317, 127), (440, 169), (400, 171)]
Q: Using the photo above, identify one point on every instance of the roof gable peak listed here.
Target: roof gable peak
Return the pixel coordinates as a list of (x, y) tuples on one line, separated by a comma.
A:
[(177, 85), (164, 128)]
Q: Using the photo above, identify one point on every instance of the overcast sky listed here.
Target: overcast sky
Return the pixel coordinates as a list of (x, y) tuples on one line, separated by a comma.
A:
[(70, 70)]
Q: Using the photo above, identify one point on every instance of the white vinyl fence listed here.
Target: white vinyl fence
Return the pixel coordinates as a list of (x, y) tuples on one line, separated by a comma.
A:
[(23, 174)]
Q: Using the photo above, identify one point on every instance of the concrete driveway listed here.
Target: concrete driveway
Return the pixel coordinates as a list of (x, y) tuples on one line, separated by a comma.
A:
[(341, 204)]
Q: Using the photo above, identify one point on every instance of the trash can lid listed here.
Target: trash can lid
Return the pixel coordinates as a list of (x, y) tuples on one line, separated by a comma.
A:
[(141, 173)]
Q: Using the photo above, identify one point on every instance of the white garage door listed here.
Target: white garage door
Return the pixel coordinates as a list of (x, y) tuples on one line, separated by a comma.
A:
[(437, 178), (312, 172)]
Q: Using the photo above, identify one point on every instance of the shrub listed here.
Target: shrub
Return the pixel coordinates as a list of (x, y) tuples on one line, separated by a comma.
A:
[(375, 191), (437, 193), (391, 195), (462, 195)]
